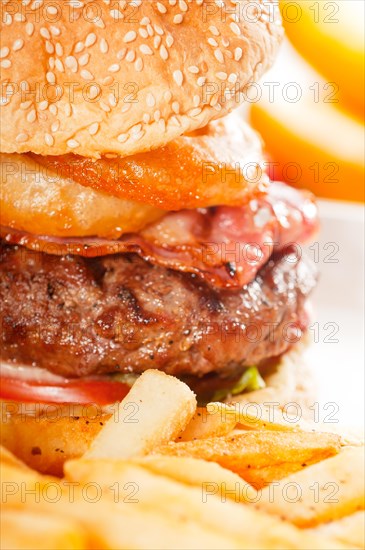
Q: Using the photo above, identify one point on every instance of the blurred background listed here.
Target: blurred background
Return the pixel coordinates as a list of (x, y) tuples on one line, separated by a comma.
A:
[(309, 108)]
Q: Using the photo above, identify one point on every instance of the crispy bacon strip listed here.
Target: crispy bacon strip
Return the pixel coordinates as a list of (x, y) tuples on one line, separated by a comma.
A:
[(225, 246)]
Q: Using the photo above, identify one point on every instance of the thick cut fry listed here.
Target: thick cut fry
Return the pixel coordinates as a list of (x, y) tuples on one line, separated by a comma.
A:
[(29, 530), (259, 457), (157, 408), (241, 524), (195, 472), (349, 530), (324, 492), (207, 424)]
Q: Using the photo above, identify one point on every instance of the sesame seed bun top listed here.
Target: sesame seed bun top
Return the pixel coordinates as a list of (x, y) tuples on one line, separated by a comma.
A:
[(104, 76)]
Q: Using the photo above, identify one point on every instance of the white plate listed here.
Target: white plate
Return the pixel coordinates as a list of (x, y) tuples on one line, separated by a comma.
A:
[(336, 352)]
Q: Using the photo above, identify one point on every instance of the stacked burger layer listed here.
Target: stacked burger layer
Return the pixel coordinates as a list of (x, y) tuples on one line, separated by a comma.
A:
[(139, 229)]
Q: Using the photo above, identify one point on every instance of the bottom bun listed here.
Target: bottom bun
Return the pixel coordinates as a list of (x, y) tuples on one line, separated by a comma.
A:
[(45, 436)]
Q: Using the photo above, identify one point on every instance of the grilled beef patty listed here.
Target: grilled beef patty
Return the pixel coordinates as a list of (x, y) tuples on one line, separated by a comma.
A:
[(78, 317)]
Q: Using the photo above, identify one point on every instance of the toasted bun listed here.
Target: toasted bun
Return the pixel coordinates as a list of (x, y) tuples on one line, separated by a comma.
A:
[(96, 77)]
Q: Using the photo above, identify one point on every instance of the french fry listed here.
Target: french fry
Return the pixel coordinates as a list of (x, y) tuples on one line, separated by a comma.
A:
[(349, 530), (207, 424), (241, 525), (26, 530), (258, 416), (157, 408), (47, 443), (196, 472), (324, 492), (259, 457)]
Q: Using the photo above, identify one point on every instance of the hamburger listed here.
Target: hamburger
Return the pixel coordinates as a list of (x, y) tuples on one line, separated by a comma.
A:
[(139, 228)]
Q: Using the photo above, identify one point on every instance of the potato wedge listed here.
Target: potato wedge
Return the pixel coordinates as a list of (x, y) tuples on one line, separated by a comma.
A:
[(27, 530), (259, 457), (207, 424), (327, 491), (157, 408), (45, 444), (349, 530)]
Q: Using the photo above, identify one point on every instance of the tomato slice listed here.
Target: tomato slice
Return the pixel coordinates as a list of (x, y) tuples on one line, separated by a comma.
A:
[(100, 392)]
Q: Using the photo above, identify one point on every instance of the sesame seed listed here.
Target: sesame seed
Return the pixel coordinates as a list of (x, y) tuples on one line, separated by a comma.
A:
[(193, 69), (176, 107), (55, 126), (161, 8), (51, 63), (178, 77), (172, 2), (93, 91), (121, 53), (196, 100), (53, 109), (112, 100), (169, 41), (219, 55), (18, 44), (59, 65), (25, 105), (235, 28), (146, 50), (136, 129), (50, 77), (150, 99), (183, 5), (71, 63), (158, 29), (29, 29), (4, 51), (131, 56), (43, 105), (138, 136), (157, 41), (59, 49), (49, 47), (105, 107), (157, 115), (138, 65), (55, 30), (222, 76), (8, 19), (52, 10), (108, 80), (114, 68), (195, 112), (238, 54), (122, 138), (49, 139), (31, 116), (168, 96), (79, 47), (94, 128), (90, 40), (225, 42), (22, 137), (143, 33), (45, 33), (72, 143), (164, 53), (84, 59), (104, 47), (86, 75), (126, 107), (178, 18), (68, 109), (213, 29), (212, 42), (116, 14), (175, 120), (130, 36), (201, 80), (150, 30), (145, 21), (232, 78)]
